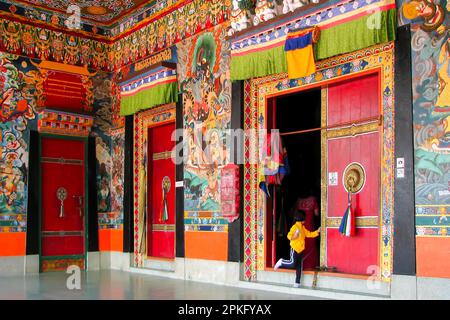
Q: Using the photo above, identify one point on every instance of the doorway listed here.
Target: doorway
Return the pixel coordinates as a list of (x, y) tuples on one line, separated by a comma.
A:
[(298, 118), (161, 192), (63, 223)]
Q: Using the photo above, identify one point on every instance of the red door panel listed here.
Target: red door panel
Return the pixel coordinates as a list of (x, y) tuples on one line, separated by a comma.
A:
[(161, 172), (62, 166), (353, 254), (364, 149), (352, 101)]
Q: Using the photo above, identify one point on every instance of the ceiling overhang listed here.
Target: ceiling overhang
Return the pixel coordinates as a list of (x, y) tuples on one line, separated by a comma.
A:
[(99, 18)]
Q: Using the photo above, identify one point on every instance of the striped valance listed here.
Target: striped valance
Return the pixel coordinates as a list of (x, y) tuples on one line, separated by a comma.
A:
[(153, 88), (345, 27)]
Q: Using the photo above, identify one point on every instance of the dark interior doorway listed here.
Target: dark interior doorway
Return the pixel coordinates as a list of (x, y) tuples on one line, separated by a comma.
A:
[(298, 118)]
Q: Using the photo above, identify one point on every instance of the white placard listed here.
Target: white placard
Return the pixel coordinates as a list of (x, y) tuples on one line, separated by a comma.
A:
[(179, 184), (333, 179), (400, 173), (400, 162)]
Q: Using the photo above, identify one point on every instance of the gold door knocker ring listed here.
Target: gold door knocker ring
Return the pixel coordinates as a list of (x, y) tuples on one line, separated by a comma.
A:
[(354, 178)]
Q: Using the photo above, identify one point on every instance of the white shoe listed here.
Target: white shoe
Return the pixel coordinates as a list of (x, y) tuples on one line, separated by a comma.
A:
[(296, 285), (277, 265)]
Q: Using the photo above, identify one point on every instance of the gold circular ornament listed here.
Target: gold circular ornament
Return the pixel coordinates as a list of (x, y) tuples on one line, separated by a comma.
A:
[(354, 177), (96, 10), (166, 184)]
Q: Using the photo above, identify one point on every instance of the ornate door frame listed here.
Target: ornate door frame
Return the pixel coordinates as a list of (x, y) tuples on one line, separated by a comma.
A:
[(379, 59), (142, 122)]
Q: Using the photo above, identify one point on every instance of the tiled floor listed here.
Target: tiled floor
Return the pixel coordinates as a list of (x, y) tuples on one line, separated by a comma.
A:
[(105, 285)]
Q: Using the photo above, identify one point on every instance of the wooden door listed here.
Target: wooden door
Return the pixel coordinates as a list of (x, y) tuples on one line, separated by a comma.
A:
[(353, 136), (161, 192), (63, 167)]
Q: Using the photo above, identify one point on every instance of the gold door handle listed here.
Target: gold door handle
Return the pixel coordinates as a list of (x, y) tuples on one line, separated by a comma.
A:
[(80, 204)]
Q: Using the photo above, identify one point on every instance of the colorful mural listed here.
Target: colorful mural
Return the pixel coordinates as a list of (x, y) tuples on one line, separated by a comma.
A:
[(106, 53), (204, 81), (102, 133), (46, 44), (169, 30), (117, 179), (17, 103), (431, 107)]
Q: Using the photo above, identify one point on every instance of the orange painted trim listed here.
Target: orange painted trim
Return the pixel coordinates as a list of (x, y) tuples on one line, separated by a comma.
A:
[(206, 245), (110, 240), (13, 244), (50, 65), (433, 257)]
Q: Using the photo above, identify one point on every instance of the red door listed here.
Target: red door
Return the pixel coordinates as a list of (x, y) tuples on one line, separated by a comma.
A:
[(161, 192), (354, 103), (62, 203)]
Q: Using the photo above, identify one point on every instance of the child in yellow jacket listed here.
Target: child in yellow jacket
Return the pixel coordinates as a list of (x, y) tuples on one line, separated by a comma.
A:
[(297, 236)]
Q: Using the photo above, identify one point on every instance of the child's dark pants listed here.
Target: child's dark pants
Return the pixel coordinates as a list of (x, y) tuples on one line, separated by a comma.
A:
[(295, 262)]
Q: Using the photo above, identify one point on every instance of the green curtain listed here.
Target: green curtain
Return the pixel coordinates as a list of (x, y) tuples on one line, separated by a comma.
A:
[(258, 64), (344, 38), (357, 34), (146, 99)]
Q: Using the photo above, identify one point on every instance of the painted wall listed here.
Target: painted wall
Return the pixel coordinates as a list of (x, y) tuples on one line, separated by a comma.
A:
[(431, 107), (19, 94), (203, 74), (110, 140)]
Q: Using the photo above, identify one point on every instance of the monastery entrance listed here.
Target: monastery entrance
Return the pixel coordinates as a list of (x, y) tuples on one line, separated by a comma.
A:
[(336, 128), (348, 142)]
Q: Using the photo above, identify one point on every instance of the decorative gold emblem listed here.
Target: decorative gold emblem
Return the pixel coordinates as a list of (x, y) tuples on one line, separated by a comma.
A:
[(166, 184), (354, 178), (61, 194)]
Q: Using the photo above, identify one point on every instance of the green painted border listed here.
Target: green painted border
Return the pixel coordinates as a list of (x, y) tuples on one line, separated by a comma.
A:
[(86, 199)]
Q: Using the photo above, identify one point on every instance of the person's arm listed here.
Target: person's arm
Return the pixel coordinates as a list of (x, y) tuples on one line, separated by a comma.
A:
[(309, 234)]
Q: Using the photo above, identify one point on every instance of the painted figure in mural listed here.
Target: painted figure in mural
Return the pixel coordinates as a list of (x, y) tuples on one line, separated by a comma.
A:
[(13, 172), (11, 84), (211, 192), (431, 80), (103, 175), (194, 152), (291, 5), (264, 11), (239, 18), (202, 68), (17, 102), (432, 13), (11, 35), (214, 151)]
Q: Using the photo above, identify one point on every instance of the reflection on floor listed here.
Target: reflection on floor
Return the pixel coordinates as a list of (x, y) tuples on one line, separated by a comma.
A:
[(118, 285)]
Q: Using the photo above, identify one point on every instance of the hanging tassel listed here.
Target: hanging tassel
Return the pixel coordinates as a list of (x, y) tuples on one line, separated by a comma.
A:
[(347, 227), (164, 215)]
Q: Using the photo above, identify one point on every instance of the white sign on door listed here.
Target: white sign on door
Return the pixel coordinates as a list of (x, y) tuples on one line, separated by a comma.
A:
[(333, 179)]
